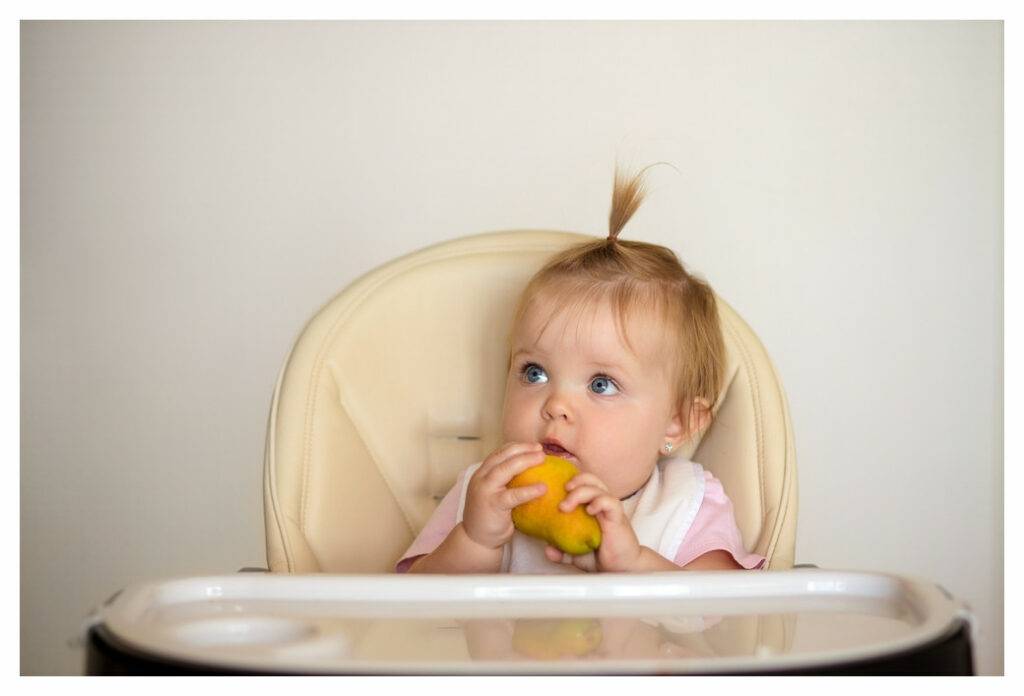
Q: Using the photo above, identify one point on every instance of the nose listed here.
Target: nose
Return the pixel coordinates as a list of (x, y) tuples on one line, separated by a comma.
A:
[(557, 406)]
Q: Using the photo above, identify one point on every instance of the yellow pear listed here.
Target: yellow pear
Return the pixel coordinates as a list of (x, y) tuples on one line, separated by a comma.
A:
[(575, 532), (551, 639)]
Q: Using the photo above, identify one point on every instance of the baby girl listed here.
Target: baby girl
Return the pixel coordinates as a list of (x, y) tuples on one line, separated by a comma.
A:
[(616, 358)]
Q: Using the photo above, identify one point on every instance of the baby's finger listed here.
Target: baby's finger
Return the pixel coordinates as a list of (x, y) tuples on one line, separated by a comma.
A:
[(609, 507), (502, 473), (553, 554), (580, 496), (585, 479), (505, 453), (587, 562), (514, 497)]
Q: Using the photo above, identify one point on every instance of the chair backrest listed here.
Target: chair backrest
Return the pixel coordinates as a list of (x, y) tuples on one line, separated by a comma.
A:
[(396, 384)]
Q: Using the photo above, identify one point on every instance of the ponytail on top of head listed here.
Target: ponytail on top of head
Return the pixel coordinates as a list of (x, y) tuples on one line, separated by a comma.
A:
[(627, 195)]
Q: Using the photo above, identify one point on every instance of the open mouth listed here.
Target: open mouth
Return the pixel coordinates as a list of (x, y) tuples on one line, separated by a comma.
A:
[(557, 451)]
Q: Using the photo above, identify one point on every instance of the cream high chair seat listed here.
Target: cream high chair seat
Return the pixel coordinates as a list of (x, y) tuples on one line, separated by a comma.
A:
[(396, 384)]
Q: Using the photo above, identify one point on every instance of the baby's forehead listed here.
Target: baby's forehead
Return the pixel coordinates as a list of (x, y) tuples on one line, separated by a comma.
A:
[(592, 327)]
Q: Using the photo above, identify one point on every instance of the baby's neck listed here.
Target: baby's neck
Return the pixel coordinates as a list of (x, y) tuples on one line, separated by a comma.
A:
[(638, 489)]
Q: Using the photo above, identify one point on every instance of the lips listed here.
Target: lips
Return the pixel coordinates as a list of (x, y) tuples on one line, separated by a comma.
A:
[(555, 448)]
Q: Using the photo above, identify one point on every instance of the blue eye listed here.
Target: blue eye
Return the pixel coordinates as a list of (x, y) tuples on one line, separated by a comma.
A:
[(533, 374), (604, 386)]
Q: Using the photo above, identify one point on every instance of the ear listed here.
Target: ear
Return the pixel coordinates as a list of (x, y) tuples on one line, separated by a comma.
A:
[(699, 418), (675, 433)]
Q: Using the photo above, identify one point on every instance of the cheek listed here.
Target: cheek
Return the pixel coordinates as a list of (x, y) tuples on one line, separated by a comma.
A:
[(606, 433), (515, 411), (620, 434)]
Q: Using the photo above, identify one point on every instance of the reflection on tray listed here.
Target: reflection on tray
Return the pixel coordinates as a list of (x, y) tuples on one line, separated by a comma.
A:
[(615, 638)]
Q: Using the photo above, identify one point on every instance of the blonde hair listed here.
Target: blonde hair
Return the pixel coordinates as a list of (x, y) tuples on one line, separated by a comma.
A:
[(639, 276)]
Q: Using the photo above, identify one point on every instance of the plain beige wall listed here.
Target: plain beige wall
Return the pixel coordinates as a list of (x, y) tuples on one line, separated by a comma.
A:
[(192, 192)]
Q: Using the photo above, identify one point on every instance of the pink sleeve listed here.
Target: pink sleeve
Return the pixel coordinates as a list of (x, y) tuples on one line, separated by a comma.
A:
[(714, 527), (437, 528)]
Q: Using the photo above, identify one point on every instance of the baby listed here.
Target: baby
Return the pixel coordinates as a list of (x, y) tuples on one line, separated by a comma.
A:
[(616, 358)]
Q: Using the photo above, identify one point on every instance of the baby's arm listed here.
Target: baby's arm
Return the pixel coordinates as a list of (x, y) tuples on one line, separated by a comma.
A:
[(718, 559), (458, 553), (475, 544)]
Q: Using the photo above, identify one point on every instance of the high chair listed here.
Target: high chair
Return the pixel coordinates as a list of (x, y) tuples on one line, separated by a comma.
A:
[(396, 384), (391, 389)]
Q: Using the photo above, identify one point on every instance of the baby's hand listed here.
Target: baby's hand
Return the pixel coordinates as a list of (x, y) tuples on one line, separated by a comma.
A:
[(620, 549), (487, 519)]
